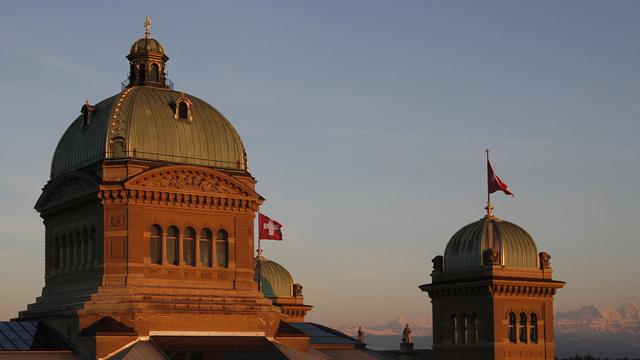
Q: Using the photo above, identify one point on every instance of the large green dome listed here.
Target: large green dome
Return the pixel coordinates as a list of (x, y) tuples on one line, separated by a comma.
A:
[(273, 279), (140, 123), (489, 242)]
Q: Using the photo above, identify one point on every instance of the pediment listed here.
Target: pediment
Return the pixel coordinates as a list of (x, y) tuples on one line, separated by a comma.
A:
[(190, 180), (66, 188)]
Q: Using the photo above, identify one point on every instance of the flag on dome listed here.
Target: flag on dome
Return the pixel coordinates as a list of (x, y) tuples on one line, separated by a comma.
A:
[(268, 229), (495, 183)]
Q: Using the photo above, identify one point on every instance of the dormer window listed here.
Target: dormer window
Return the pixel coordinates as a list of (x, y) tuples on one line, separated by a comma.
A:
[(87, 111), (182, 110)]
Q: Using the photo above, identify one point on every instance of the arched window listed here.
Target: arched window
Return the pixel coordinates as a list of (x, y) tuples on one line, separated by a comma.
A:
[(154, 75), (473, 329), (143, 73), (155, 244), (454, 329), (172, 245), (183, 110), (132, 74), (534, 328), (205, 247), (512, 328), (222, 249), (118, 147), (523, 328), (189, 246), (465, 330)]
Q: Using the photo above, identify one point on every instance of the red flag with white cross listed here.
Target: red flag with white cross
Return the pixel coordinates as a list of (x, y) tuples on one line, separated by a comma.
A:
[(268, 229)]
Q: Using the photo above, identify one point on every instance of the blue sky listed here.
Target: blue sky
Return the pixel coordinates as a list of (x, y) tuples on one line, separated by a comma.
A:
[(365, 124)]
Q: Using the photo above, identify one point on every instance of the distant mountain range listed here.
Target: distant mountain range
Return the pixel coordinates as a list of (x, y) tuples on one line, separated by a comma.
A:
[(600, 331), (593, 320)]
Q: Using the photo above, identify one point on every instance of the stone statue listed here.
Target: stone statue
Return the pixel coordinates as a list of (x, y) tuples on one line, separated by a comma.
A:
[(492, 257), (438, 264), (545, 260), (297, 290), (360, 334), (407, 338)]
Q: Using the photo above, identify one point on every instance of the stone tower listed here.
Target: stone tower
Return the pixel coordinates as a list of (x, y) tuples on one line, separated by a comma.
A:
[(492, 295), (148, 219)]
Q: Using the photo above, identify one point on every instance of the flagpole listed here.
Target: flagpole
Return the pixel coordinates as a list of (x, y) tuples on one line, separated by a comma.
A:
[(489, 206)]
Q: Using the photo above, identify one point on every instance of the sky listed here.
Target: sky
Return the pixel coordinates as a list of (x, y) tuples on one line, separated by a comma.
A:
[(365, 124)]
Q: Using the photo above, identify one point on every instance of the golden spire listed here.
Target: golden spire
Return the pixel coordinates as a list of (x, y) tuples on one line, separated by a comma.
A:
[(147, 27)]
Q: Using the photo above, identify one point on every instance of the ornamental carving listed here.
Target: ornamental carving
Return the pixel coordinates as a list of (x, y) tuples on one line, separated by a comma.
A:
[(297, 290), (438, 264), (67, 190), (492, 257), (186, 180), (118, 123), (545, 260)]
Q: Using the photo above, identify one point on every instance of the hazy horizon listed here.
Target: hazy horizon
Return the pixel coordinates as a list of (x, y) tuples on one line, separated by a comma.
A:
[(365, 124)]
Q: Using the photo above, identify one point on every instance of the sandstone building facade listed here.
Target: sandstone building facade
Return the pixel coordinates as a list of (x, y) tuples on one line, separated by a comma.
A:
[(492, 294)]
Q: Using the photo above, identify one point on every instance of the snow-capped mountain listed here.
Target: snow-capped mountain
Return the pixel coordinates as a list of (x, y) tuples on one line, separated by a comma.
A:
[(600, 331), (591, 319), (419, 327)]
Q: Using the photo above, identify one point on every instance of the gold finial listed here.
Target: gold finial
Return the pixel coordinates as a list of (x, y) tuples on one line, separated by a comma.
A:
[(489, 209), (147, 27)]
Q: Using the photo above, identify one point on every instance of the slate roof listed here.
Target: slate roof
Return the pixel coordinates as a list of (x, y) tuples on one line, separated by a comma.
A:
[(218, 347), (30, 335)]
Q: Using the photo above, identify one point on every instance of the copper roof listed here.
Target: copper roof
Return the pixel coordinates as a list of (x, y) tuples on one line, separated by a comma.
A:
[(273, 279), (142, 119), (514, 245)]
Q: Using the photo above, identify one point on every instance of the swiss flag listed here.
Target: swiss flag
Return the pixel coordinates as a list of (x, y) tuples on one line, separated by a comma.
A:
[(495, 183), (269, 229)]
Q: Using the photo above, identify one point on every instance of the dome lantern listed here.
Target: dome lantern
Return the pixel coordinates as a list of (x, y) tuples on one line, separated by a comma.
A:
[(147, 61)]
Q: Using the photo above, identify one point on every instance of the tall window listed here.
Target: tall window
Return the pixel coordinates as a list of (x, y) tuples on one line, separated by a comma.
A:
[(155, 244), (143, 73), (465, 329), (473, 329), (189, 246), (93, 240), (533, 333), (183, 110), (57, 254), (85, 248), (454, 329), (172, 245), (205, 247), (155, 73), (523, 328), (222, 249), (512, 327), (71, 248)]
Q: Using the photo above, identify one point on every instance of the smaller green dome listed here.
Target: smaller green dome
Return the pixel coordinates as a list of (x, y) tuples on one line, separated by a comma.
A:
[(146, 45), (273, 279), (487, 242)]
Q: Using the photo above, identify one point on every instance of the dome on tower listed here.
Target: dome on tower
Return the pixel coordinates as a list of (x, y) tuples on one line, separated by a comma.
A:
[(273, 279), (145, 44), (149, 121), (490, 241)]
